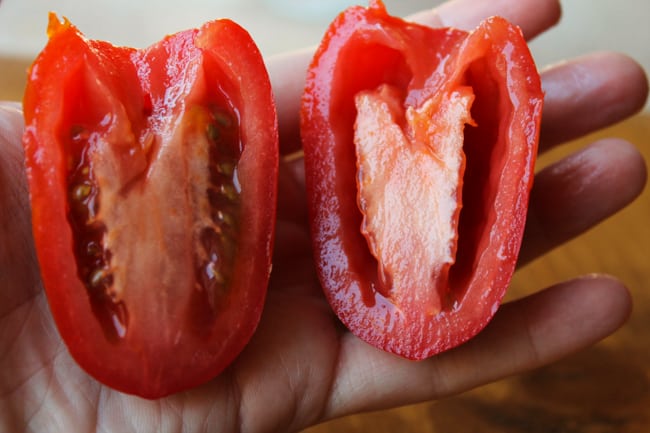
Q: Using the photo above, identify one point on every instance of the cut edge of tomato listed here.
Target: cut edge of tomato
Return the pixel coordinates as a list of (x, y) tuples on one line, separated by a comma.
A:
[(349, 286), (46, 169)]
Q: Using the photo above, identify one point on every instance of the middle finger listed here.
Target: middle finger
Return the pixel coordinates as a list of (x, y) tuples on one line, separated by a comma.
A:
[(579, 191), (588, 93)]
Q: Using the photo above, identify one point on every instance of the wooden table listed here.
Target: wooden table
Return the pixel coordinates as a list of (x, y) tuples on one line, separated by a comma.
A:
[(600, 390)]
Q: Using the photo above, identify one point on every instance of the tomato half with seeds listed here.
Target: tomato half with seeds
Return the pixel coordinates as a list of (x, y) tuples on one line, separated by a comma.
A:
[(152, 177), (419, 151)]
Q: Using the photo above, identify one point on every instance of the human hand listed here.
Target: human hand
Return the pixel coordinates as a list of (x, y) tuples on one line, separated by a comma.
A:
[(301, 367)]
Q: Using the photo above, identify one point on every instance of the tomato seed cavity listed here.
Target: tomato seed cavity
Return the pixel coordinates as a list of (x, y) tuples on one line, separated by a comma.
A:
[(217, 242), (92, 258), (217, 227)]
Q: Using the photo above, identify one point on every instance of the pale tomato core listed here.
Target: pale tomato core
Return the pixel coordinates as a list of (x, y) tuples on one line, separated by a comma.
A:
[(410, 165)]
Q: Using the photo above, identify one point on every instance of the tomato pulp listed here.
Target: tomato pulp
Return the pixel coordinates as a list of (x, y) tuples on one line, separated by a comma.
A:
[(419, 148), (152, 177)]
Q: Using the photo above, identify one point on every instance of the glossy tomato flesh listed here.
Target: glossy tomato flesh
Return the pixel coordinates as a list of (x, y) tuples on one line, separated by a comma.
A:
[(419, 154), (152, 176)]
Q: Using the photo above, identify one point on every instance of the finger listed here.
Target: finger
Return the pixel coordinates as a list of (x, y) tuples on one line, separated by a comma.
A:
[(578, 192), (524, 335), (532, 16), (589, 93), (291, 233), (287, 71), (291, 191)]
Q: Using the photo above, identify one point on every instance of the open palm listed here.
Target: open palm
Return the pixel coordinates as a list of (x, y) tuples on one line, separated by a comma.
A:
[(301, 366)]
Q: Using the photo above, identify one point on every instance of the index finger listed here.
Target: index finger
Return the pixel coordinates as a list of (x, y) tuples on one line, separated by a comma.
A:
[(287, 71), (533, 17)]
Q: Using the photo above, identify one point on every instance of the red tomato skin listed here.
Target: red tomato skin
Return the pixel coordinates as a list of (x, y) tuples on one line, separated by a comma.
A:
[(143, 362), (363, 48)]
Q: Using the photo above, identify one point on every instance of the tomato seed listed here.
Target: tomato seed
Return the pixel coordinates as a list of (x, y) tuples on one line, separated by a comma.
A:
[(222, 118), (99, 278), (81, 192), (214, 260), (229, 192), (93, 249), (226, 168), (213, 274), (224, 199), (213, 132), (224, 218)]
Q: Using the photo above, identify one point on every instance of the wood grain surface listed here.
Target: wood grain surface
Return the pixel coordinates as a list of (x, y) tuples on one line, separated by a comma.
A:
[(13, 75), (605, 389)]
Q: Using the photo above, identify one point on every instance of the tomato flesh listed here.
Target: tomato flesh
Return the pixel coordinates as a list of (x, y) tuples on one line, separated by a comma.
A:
[(153, 177), (419, 147)]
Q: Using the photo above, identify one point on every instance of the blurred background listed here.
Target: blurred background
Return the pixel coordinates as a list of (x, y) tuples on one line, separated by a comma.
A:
[(604, 389)]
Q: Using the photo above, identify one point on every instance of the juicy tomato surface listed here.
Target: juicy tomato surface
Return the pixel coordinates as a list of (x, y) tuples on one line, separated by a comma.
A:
[(152, 177), (419, 149)]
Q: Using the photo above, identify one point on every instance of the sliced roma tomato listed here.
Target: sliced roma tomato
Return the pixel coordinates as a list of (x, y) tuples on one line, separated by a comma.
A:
[(419, 151), (153, 177)]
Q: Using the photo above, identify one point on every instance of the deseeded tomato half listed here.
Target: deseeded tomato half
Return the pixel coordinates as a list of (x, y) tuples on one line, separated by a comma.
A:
[(152, 176), (419, 150)]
